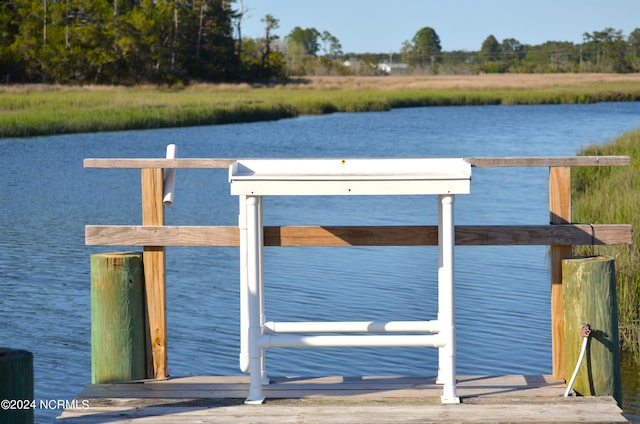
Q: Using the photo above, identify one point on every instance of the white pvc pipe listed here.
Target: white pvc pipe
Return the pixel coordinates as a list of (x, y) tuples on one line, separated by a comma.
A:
[(244, 289), (352, 327), (263, 365), (170, 178), (254, 252), (440, 377), (447, 354), (291, 340), (575, 371)]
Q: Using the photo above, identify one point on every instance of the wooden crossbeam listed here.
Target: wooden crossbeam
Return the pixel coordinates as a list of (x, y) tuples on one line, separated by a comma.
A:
[(524, 161), (545, 161), (496, 235), (143, 163)]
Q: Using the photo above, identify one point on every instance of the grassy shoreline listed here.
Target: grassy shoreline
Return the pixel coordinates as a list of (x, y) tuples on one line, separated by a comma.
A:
[(610, 195), (37, 110)]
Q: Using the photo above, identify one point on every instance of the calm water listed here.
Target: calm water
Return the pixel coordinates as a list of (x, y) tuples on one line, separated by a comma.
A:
[(502, 293)]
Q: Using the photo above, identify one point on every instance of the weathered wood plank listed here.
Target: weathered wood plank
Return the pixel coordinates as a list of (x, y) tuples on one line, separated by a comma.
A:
[(536, 161), (560, 213), (574, 412), (548, 161), (133, 235), (154, 274), (299, 387), (387, 399), (521, 235), (496, 235), (211, 163)]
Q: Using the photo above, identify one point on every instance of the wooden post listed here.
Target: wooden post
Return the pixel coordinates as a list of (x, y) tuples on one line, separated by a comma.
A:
[(589, 296), (560, 211), (16, 384), (117, 317), (154, 274)]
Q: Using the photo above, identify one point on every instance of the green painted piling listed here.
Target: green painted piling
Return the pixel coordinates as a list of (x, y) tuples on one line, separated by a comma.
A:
[(589, 297), (16, 386), (117, 317)]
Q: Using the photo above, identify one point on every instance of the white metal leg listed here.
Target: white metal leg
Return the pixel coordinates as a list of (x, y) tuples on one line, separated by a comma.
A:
[(447, 353), (254, 252), (440, 378), (263, 365), (244, 296)]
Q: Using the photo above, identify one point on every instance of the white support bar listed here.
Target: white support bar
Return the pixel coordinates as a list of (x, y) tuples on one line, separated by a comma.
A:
[(291, 340), (244, 288), (254, 296), (263, 366), (446, 302), (352, 327)]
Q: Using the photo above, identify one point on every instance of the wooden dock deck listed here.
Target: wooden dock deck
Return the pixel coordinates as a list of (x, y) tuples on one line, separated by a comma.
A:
[(388, 399)]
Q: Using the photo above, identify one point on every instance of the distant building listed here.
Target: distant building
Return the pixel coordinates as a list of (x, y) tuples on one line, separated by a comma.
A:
[(393, 68), (367, 68)]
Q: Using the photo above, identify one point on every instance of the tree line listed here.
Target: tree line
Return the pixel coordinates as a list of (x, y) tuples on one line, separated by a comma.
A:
[(116, 41), (601, 51), (178, 41)]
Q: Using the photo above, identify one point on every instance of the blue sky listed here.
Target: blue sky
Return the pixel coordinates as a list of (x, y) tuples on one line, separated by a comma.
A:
[(382, 26)]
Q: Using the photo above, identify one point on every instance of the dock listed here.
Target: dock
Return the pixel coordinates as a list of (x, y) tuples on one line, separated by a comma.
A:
[(383, 399), (368, 399)]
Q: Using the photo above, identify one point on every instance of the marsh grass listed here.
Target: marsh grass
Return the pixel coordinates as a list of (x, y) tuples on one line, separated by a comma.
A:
[(612, 195), (31, 110)]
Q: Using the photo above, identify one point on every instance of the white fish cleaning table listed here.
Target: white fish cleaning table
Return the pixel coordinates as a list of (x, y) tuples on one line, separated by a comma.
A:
[(254, 178)]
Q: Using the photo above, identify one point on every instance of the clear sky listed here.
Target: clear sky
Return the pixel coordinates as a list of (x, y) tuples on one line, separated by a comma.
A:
[(379, 26)]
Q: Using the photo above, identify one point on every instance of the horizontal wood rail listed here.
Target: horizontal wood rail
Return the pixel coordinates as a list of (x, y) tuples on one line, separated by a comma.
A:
[(497, 235), (153, 235), (525, 161), (533, 161)]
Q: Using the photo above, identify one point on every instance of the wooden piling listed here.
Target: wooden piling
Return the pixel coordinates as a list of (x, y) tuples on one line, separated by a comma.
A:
[(589, 297), (117, 317), (16, 386)]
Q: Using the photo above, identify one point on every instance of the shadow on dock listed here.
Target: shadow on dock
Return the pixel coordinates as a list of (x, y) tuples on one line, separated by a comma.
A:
[(384, 399)]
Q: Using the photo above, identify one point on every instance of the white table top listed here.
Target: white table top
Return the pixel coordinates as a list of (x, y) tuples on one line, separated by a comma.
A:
[(350, 176)]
